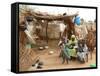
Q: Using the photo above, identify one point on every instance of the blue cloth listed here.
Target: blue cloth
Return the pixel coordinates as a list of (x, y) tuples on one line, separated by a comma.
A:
[(66, 52), (77, 20)]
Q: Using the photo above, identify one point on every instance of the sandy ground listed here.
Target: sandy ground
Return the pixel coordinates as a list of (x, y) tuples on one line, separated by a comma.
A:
[(55, 62)]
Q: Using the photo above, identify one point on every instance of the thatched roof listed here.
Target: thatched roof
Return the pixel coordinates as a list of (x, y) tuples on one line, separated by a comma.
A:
[(41, 16), (52, 17)]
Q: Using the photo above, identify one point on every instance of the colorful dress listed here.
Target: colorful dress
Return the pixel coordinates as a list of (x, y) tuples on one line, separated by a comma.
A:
[(72, 50)]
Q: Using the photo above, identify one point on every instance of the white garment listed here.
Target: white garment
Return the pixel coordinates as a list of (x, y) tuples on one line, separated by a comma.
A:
[(85, 49), (30, 27), (29, 32), (31, 39), (81, 55)]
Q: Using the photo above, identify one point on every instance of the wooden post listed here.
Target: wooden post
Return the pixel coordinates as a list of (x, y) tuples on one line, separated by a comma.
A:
[(47, 32)]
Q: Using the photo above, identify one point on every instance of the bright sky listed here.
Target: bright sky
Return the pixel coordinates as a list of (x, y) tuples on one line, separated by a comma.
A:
[(85, 13)]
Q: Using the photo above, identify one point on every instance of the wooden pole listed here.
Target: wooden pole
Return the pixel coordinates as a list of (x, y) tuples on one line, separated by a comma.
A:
[(47, 32)]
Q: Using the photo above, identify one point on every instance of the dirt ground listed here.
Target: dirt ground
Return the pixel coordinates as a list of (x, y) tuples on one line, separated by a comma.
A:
[(53, 61)]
